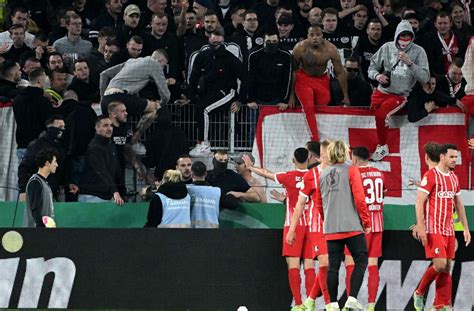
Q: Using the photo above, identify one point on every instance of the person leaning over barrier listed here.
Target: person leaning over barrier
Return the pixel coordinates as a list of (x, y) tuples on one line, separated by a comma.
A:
[(170, 206)]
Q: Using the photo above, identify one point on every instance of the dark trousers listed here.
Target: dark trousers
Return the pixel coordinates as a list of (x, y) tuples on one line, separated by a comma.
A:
[(211, 102), (357, 245)]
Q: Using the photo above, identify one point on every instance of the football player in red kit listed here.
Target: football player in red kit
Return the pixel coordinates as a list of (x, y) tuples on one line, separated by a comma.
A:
[(438, 194), (374, 188), (292, 182)]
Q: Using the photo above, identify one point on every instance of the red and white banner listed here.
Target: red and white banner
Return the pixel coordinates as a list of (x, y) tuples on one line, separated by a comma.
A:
[(279, 133)]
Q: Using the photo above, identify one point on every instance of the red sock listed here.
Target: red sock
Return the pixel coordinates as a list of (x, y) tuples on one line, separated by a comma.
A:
[(443, 290), (426, 280), (309, 277), (323, 275), (316, 289), (349, 269), (374, 279), (294, 279)]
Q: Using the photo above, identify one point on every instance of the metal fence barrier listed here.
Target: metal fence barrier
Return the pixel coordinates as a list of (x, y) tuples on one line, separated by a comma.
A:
[(230, 131)]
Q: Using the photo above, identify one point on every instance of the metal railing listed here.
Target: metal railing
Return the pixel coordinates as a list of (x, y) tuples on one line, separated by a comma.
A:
[(230, 131)]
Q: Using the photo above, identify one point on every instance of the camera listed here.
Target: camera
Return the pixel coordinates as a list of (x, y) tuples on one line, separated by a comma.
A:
[(388, 74)]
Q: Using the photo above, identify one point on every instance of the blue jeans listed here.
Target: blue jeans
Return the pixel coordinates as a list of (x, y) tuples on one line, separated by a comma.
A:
[(86, 198)]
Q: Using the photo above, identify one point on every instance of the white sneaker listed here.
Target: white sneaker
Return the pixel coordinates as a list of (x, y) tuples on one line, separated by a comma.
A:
[(201, 149), (353, 304), (380, 153), (139, 149), (333, 306)]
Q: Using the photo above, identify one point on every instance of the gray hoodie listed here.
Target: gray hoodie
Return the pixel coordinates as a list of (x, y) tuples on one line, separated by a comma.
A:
[(403, 77)]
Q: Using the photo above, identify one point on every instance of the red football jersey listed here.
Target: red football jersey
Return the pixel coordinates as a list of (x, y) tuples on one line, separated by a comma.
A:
[(438, 211), (374, 187), (292, 181), (311, 192)]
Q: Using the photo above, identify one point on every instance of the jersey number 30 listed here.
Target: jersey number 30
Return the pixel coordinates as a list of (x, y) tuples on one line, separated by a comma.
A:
[(374, 190)]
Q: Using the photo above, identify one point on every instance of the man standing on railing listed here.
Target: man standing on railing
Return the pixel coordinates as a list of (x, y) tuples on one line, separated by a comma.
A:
[(213, 80), (311, 80)]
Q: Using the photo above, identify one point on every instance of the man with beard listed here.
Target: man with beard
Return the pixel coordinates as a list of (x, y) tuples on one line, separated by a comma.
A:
[(369, 45), (311, 85), (302, 22), (183, 164), (120, 136), (9, 79)]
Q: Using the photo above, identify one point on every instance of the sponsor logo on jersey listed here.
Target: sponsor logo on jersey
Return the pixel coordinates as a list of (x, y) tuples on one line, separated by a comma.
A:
[(446, 194)]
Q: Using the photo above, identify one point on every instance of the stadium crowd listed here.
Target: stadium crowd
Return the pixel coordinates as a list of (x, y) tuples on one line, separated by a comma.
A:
[(60, 59), (76, 70)]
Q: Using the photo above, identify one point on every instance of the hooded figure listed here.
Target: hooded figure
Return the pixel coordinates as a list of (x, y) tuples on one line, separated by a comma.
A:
[(397, 66), (387, 60)]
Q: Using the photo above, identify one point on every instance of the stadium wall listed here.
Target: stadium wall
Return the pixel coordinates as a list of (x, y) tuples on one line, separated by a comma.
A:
[(176, 269), (133, 215)]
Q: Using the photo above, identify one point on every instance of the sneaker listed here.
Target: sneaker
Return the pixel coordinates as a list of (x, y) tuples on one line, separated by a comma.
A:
[(309, 304), (201, 149), (139, 148), (370, 307), (298, 308), (353, 305), (418, 302), (333, 306), (380, 153)]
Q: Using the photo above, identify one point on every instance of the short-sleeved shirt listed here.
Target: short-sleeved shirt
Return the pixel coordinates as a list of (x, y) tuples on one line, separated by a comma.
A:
[(310, 191), (292, 181), (438, 210), (374, 187)]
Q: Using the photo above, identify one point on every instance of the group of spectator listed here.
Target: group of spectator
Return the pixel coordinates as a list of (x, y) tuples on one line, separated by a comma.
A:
[(59, 58)]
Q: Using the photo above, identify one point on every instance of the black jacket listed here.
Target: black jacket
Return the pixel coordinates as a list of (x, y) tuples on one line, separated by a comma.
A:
[(175, 191), (88, 92), (28, 167), (80, 129), (8, 89), (101, 170), (434, 51), (269, 76), (444, 85), (418, 98), (31, 111), (215, 71)]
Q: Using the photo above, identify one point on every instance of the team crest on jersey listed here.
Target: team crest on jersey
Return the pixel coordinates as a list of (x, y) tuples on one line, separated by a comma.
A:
[(424, 182), (437, 251), (332, 179), (316, 248)]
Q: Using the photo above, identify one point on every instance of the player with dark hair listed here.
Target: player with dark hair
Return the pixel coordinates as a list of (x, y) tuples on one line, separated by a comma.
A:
[(307, 197), (374, 186), (340, 194), (39, 197), (439, 193), (292, 181)]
